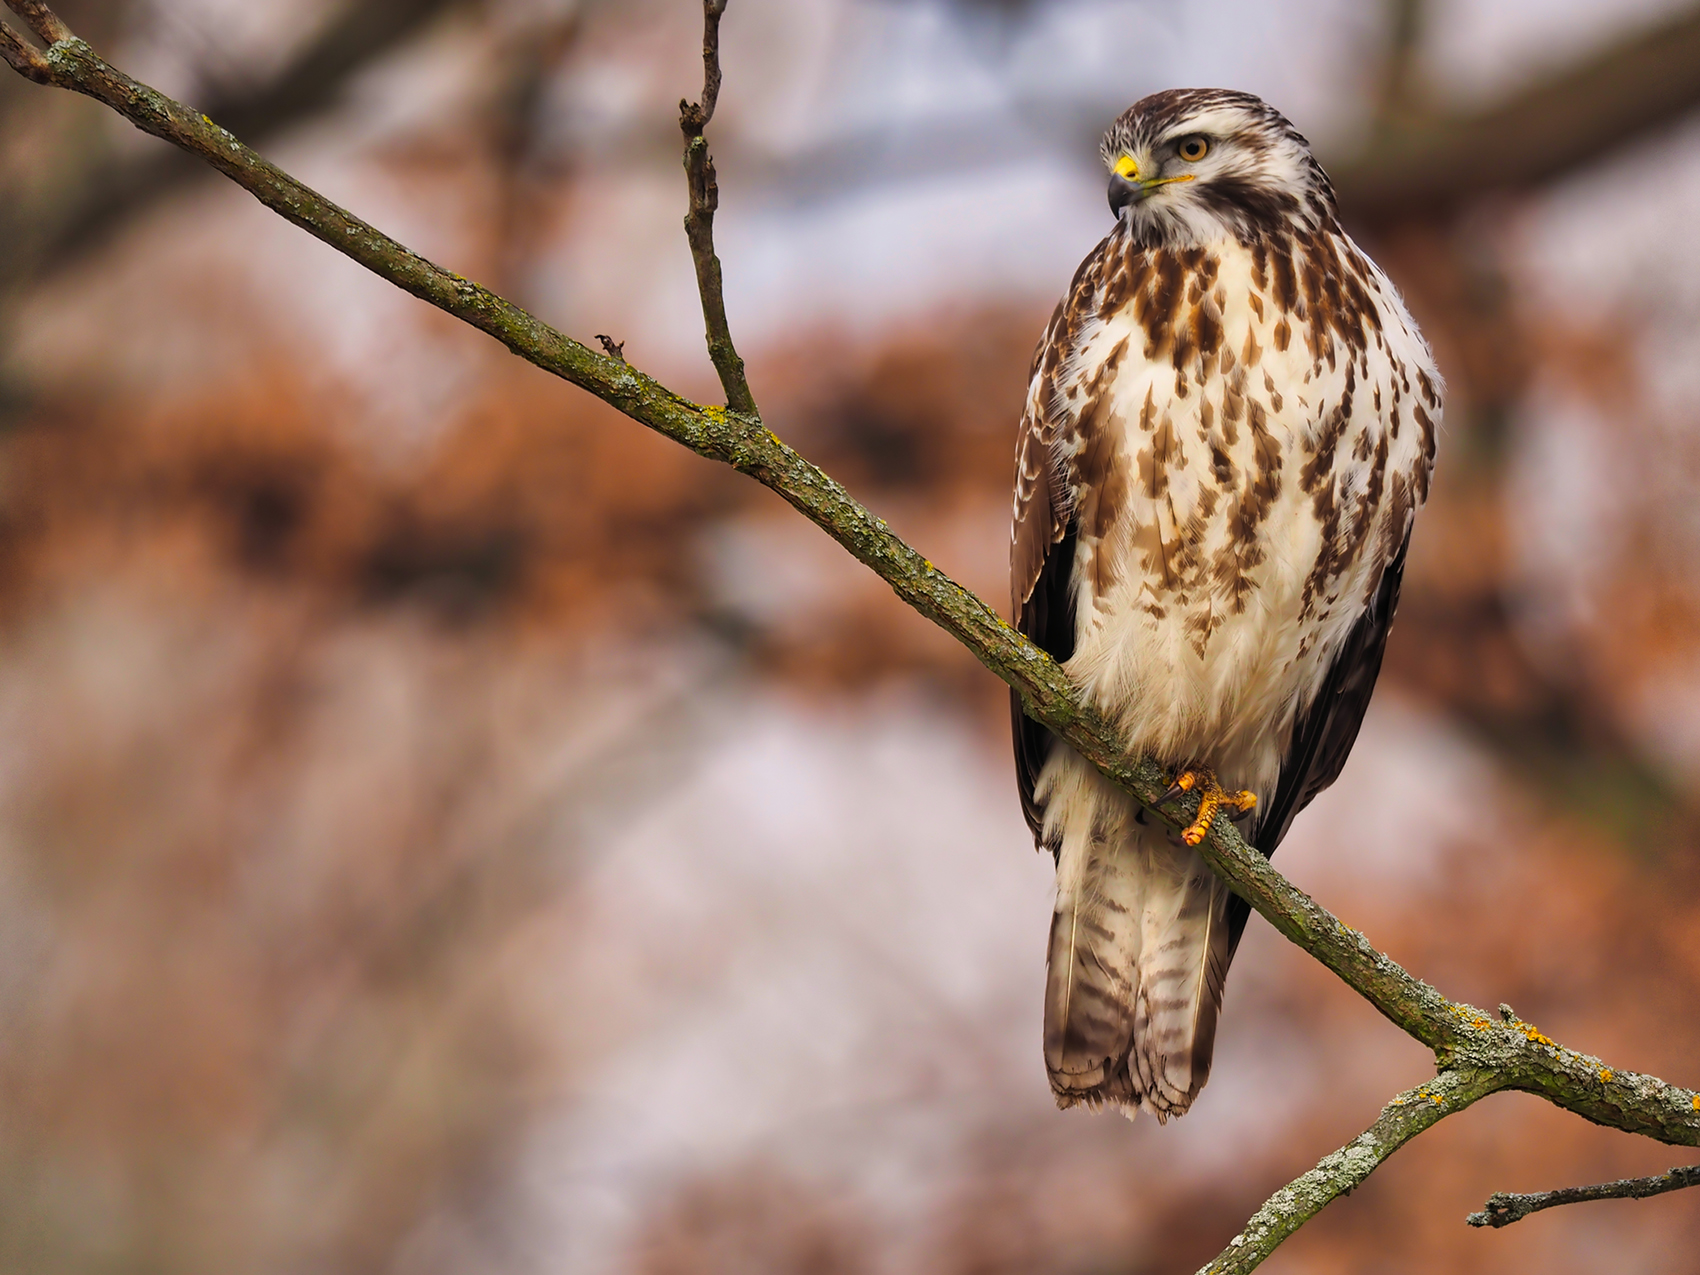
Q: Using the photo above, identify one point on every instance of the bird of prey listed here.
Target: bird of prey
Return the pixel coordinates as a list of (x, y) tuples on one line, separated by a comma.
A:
[(1229, 428)]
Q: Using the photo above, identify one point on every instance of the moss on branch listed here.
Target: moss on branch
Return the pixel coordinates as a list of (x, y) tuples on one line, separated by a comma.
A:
[(1338, 1172)]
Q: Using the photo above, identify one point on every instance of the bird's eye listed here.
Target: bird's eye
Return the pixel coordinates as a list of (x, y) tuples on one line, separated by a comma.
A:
[(1193, 149)]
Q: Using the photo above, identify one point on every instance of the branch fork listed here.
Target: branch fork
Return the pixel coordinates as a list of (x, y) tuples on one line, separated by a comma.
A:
[(22, 56)]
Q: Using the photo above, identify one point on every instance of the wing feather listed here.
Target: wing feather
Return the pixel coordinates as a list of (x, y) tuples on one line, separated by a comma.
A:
[(1041, 559), (1324, 733)]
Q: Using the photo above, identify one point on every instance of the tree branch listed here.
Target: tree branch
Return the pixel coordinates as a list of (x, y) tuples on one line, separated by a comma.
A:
[(42, 20), (23, 57), (1338, 1173), (704, 189), (711, 12), (1505, 1207), (1476, 1055), (1488, 1060)]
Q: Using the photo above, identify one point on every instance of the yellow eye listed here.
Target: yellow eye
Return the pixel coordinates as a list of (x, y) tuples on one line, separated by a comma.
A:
[(1193, 149), (1126, 168)]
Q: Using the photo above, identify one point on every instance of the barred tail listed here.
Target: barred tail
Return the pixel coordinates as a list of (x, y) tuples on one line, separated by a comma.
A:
[(1139, 952)]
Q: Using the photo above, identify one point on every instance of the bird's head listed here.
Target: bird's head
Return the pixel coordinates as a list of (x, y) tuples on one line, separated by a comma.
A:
[(1189, 166)]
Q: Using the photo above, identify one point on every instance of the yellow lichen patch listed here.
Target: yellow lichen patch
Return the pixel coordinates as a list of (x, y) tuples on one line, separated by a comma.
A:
[(1605, 1074), (1532, 1032), (1696, 1103)]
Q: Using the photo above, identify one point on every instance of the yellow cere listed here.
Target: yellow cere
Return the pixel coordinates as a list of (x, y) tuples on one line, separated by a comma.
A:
[(1125, 167)]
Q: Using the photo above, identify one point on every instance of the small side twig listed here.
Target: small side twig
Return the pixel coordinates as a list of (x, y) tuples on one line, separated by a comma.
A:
[(1505, 1207), (699, 221), (42, 20), (23, 57), (612, 348)]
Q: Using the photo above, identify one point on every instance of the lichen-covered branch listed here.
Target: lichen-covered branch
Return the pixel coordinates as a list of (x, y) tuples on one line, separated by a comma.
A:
[(710, 431), (1505, 1207), (704, 186), (1488, 1057), (1476, 1054), (1340, 1171)]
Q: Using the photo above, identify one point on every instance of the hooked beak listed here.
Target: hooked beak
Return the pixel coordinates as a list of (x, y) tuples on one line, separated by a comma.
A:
[(1125, 191)]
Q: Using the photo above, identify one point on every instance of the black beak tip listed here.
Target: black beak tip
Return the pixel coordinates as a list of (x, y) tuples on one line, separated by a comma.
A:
[(1122, 193)]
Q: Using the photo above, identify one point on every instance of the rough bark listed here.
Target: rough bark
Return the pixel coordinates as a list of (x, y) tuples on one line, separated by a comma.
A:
[(1505, 1207)]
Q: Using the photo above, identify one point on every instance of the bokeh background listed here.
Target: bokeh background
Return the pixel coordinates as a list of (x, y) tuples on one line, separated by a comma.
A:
[(445, 828)]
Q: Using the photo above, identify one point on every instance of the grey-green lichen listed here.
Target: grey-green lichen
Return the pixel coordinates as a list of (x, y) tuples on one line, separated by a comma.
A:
[(1475, 1054)]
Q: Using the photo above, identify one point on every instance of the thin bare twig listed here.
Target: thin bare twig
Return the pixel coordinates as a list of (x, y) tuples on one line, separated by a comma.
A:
[(1505, 1207), (711, 11), (704, 188), (42, 20), (23, 57), (1475, 1055)]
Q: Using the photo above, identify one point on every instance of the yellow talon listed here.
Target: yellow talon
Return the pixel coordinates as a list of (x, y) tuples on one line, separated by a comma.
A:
[(1211, 799)]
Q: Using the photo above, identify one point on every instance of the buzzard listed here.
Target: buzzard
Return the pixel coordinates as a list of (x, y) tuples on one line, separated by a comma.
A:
[(1229, 428)]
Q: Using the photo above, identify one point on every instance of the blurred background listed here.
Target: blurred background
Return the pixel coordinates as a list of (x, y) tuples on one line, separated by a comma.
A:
[(444, 827)]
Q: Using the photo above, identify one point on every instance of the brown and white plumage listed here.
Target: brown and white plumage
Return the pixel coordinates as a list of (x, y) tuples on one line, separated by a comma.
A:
[(1230, 425)]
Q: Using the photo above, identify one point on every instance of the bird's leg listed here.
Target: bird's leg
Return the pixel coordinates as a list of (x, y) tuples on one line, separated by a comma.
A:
[(1212, 797)]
